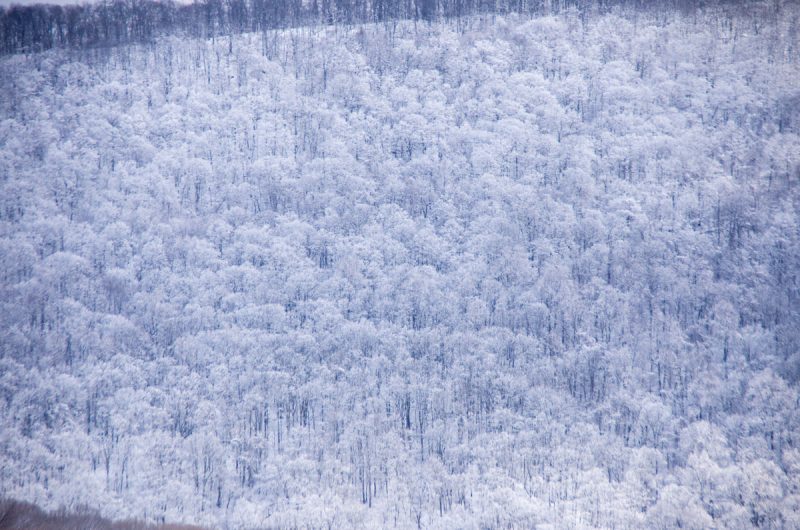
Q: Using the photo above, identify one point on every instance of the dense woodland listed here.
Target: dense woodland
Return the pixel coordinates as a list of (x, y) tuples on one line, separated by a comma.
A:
[(43, 26), (16, 515), (500, 271)]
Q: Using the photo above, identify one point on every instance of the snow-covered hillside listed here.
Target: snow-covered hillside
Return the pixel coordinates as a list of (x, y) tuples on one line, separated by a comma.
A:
[(488, 272)]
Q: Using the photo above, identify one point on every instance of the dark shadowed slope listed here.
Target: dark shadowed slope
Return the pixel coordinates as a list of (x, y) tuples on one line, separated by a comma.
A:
[(15, 515), (33, 28)]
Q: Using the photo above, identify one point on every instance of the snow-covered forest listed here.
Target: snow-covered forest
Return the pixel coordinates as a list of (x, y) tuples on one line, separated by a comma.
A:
[(511, 269)]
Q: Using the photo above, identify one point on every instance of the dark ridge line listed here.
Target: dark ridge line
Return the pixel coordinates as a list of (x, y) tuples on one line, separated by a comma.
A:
[(36, 28)]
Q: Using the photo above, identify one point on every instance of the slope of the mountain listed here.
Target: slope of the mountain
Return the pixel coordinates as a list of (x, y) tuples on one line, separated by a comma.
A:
[(78, 24), (497, 272), (23, 516)]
